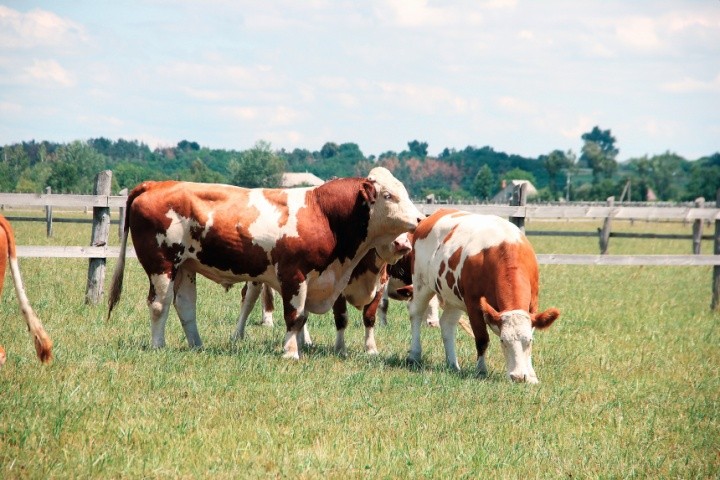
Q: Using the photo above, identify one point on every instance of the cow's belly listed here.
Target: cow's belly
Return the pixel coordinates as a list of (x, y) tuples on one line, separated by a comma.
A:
[(323, 289)]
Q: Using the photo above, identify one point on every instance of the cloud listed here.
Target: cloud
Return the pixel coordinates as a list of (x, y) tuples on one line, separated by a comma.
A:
[(638, 32), (691, 85), (37, 28), (419, 14), (49, 73), (516, 105)]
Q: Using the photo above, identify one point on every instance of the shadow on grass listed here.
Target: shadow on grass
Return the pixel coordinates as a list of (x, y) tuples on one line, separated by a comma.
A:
[(272, 348)]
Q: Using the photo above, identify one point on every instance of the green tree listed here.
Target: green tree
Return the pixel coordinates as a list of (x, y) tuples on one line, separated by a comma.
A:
[(518, 174), (258, 167), (484, 183), (667, 172), (599, 153), (704, 178), (75, 168), (555, 162), (418, 149)]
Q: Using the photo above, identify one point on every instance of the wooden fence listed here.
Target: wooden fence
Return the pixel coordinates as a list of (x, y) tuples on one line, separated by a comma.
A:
[(518, 211)]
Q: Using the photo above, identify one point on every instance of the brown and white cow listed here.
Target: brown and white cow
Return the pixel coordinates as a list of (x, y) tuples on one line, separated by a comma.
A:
[(43, 344), (302, 242), (482, 265), (364, 292)]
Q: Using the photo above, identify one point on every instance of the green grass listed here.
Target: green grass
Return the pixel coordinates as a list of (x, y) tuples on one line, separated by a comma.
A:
[(630, 384)]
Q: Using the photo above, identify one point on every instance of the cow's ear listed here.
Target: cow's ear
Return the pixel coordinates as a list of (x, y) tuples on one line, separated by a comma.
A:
[(490, 315), (546, 318), (368, 191)]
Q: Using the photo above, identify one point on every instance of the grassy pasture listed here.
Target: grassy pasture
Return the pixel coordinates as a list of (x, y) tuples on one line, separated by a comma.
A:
[(630, 383)]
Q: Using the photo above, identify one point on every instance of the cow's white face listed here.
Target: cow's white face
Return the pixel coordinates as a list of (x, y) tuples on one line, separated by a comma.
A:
[(392, 252), (393, 212), (516, 336)]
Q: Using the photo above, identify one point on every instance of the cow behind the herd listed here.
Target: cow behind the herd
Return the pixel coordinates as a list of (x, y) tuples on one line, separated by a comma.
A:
[(304, 243), (484, 266), (364, 292), (8, 255)]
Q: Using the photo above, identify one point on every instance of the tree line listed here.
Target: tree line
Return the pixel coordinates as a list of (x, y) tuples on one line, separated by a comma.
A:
[(470, 173)]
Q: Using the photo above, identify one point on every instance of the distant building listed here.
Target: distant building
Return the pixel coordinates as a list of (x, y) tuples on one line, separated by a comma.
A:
[(505, 194), (299, 179)]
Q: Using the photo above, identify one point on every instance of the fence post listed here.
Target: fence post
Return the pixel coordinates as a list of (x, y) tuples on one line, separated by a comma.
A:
[(121, 220), (698, 228), (605, 232), (100, 233), (519, 198), (715, 304), (48, 214)]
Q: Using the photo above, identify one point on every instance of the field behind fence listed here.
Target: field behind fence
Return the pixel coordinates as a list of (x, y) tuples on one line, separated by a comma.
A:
[(630, 381)]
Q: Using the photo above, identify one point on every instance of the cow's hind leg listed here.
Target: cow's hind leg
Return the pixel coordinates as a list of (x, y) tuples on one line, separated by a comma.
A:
[(186, 306), (248, 302), (448, 329), (159, 300)]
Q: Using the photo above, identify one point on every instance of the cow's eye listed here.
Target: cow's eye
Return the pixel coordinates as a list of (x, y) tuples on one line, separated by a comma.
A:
[(387, 195)]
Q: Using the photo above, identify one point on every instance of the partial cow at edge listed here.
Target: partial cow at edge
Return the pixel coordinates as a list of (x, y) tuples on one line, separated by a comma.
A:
[(303, 242), (43, 343), (484, 266)]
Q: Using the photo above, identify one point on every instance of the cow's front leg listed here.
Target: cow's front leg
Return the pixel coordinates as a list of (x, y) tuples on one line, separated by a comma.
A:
[(482, 339), (448, 329), (417, 307), (295, 318), (186, 304), (251, 293), (341, 321), (159, 300)]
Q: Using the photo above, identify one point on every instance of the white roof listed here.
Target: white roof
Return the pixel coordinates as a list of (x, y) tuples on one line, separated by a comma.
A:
[(295, 179)]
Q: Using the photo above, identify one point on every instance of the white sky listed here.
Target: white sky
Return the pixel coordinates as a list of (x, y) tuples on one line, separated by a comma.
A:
[(523, 77)]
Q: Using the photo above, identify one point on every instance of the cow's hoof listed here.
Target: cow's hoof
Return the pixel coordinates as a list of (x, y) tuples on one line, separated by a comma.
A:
[(291, 356), (372, 351), (413, 360)]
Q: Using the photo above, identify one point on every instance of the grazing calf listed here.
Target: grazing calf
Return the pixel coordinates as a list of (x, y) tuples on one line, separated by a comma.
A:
[(482, 265), (43, 344), (303, 242), (364, 292)]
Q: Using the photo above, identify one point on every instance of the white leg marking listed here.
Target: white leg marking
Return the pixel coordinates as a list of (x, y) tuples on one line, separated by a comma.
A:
[(448, 329), (370, 345), (159, 307), (417, 306)]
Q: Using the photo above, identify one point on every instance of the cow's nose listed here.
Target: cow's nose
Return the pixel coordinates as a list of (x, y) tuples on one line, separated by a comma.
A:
[(518, 378)]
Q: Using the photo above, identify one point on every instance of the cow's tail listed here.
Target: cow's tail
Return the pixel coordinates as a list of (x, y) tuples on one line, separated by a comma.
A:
[(43, 343), (465, 325), (116, 285)]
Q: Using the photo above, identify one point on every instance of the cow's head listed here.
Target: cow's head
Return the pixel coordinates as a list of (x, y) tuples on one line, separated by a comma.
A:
[(392, 252), (515, 329), (392, 211)]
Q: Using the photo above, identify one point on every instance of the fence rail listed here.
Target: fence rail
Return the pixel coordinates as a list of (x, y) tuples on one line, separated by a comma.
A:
[(518, 212)]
